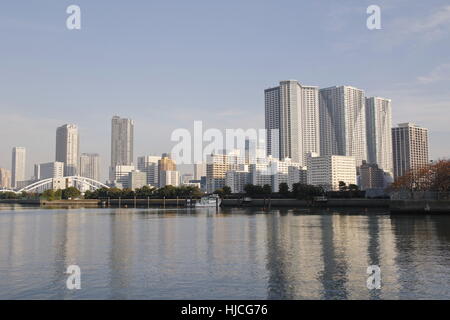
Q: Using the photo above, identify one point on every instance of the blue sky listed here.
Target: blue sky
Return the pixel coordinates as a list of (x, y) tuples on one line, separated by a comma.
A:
[(168, 63)]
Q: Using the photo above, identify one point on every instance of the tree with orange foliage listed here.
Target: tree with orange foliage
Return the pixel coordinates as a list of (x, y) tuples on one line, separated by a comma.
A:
[(432, 177)]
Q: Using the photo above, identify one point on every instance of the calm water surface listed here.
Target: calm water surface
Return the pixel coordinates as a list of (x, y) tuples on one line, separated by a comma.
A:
[(232, 254)]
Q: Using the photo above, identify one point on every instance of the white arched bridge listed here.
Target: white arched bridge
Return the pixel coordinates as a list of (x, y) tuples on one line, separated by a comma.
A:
[(64, 182)]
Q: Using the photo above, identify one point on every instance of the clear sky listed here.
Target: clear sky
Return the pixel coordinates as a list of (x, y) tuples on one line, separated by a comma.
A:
[(168, 63)]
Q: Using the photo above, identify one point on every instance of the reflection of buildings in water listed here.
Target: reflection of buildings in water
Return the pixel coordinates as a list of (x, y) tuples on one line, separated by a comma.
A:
[(305, 247), (66, 229), (305, 258), (14, 247), (121, 252), (351, 241), (385, 248), (232, 243), (416, 238), (326, 256), (279, 284), (334, 277)]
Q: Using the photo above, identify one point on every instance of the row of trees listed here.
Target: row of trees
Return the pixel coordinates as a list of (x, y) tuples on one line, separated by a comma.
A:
[(113, 193), (145, 192), (12, 195), (64, 194), (69, 193), (299, 191)]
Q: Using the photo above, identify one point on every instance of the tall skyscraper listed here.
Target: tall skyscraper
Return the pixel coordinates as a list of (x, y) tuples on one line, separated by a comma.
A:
[(90, 166), (18, 165), (67, 148), (343, 122), (5, 178), (379, 132), (122, 137), (409, 148), (292, 109)]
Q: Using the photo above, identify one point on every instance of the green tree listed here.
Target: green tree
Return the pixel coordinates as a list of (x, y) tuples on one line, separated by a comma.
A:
[(266, 189), (70, 193), (342, 186), (58, 194), (144, 192), (284, 189), (249, 189), (306, 192), (226, 190), (48, 195)]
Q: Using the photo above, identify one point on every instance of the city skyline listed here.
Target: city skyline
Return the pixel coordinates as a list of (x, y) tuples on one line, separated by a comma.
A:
[(132, 82), (373, 119)]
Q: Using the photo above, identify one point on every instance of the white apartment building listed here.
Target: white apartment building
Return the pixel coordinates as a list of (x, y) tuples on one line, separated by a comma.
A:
[(120, 176), (122, 138), (149, 165), (272, 171), (379, 133), (343, 122), (169, 178), (90, 166), (237, 180), (292, 110), (67, 148), (18, 166), (327, 171), (217, 165), (410, 148), (48, 170)]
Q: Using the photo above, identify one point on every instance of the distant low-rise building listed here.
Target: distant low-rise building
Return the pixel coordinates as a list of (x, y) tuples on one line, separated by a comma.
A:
[(169, 178), (237, 180), (48, 170), (185, 178), (217, 165), (120, 174), (137, 179), (273, 172), (297, 175), (149, 165), (371, 177)]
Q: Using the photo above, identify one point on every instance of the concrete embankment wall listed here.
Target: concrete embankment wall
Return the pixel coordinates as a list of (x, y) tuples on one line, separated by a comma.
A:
[(16, 201), (144, 202), (341, 203), (100, 203), (420, 206)]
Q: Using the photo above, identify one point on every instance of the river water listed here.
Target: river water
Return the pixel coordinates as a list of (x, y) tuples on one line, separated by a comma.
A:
[(229, 254)]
